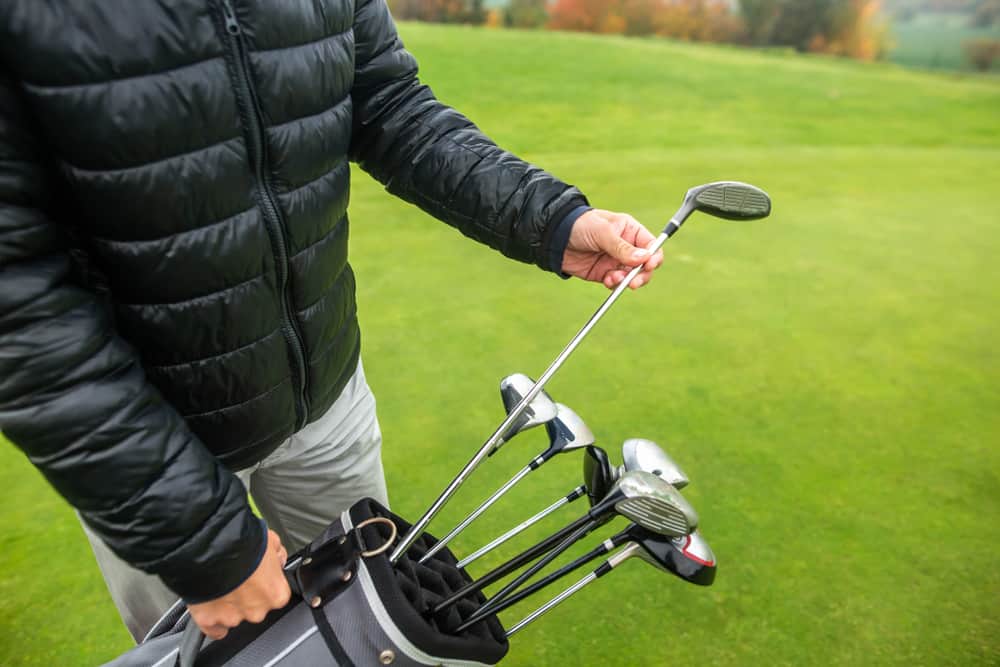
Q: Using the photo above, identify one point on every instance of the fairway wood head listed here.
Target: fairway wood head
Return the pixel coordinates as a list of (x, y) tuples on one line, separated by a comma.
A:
[(689, 557), (542, 408), (598, 475), (567, 432), (642, 454), (730, 200), (647, 500)]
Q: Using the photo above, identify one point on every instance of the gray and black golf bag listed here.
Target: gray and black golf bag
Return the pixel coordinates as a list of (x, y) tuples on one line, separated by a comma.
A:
[(349, 606)]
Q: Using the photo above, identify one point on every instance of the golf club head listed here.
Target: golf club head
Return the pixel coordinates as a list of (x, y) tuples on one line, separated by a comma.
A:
[(598, 475), (730, 200), (542, 409), (567, 432), (689, 557), (647, 500), (642, 454)]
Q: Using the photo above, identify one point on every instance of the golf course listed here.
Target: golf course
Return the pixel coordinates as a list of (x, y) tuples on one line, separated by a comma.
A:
[(828, 378)]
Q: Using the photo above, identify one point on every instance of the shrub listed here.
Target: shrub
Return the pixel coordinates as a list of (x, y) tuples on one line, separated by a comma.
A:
[(982, 53)]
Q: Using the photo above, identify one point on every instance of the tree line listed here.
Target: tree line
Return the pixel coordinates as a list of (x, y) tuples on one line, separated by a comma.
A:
[(853, 28)]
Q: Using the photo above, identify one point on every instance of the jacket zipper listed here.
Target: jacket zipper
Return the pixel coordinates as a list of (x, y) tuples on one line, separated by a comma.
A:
[(268, 201)]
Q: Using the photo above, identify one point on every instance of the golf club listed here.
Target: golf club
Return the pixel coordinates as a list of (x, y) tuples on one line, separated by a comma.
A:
[(598, 477), (578, 492), (567, 433), (598, 474), (639, 496), (642, 454), (645, 518), (656, 550), (730, 200), (541, 409), (689, 557)]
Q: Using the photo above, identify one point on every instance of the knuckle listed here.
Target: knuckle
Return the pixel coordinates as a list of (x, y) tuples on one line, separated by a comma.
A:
[(257, 615)]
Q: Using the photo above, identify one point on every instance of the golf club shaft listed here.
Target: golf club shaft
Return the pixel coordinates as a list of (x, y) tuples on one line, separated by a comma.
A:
[(502, 601), (601, 570), (509, 601), (578, 492), (551, 603), (476, 513), (504, 569), (513, 585), (494, 440)]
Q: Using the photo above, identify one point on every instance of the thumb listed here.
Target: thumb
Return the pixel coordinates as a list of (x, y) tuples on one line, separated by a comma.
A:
[(623, 251)]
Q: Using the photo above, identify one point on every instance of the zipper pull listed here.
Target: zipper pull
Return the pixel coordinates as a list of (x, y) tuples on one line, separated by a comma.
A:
[(232, 25)]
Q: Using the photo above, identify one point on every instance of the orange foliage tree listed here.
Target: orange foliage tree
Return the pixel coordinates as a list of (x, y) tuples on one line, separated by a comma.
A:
[(852, 28), (698, 20), (439, 11), (855, 30)]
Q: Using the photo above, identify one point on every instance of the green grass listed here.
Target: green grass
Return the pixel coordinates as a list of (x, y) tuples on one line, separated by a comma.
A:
[(829, 379)]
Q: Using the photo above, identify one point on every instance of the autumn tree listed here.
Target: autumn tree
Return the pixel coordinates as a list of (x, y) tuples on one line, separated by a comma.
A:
[(696, 20), (582, 15), (526, 14), (439, 11), (852, 28)]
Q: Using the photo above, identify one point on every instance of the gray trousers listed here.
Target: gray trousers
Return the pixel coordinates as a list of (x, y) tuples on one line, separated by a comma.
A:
[(299, 489)]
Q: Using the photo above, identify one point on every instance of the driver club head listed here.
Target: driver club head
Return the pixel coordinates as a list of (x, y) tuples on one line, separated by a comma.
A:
[(568, 431), (730, 200), (542, 408), (642, 454)]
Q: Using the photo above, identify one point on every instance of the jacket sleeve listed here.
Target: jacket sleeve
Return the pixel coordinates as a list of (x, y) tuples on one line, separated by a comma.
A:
[(430, 155), (74, 398)]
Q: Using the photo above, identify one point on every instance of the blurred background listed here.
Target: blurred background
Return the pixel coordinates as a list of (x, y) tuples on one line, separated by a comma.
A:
[(944, 34), (828, 378)]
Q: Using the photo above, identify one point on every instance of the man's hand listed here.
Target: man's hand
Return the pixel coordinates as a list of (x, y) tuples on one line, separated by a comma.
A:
[(266, 589), (605, 246)]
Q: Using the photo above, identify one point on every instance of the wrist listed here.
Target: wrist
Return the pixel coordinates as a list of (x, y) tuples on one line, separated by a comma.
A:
[(560, 238)]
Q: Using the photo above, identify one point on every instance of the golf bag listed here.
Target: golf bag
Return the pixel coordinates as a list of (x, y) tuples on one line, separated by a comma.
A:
[(349, 606)]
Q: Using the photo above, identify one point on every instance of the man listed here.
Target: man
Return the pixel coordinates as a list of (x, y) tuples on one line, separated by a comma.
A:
[(177, 312)]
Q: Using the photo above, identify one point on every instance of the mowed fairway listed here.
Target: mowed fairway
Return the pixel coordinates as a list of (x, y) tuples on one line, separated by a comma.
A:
[(829, 378)]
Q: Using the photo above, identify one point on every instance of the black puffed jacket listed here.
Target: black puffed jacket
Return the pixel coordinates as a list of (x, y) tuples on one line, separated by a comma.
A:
[(175, 296)]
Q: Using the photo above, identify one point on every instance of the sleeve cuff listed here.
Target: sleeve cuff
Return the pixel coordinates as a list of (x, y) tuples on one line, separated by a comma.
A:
[(560, 239), (226, 577)]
